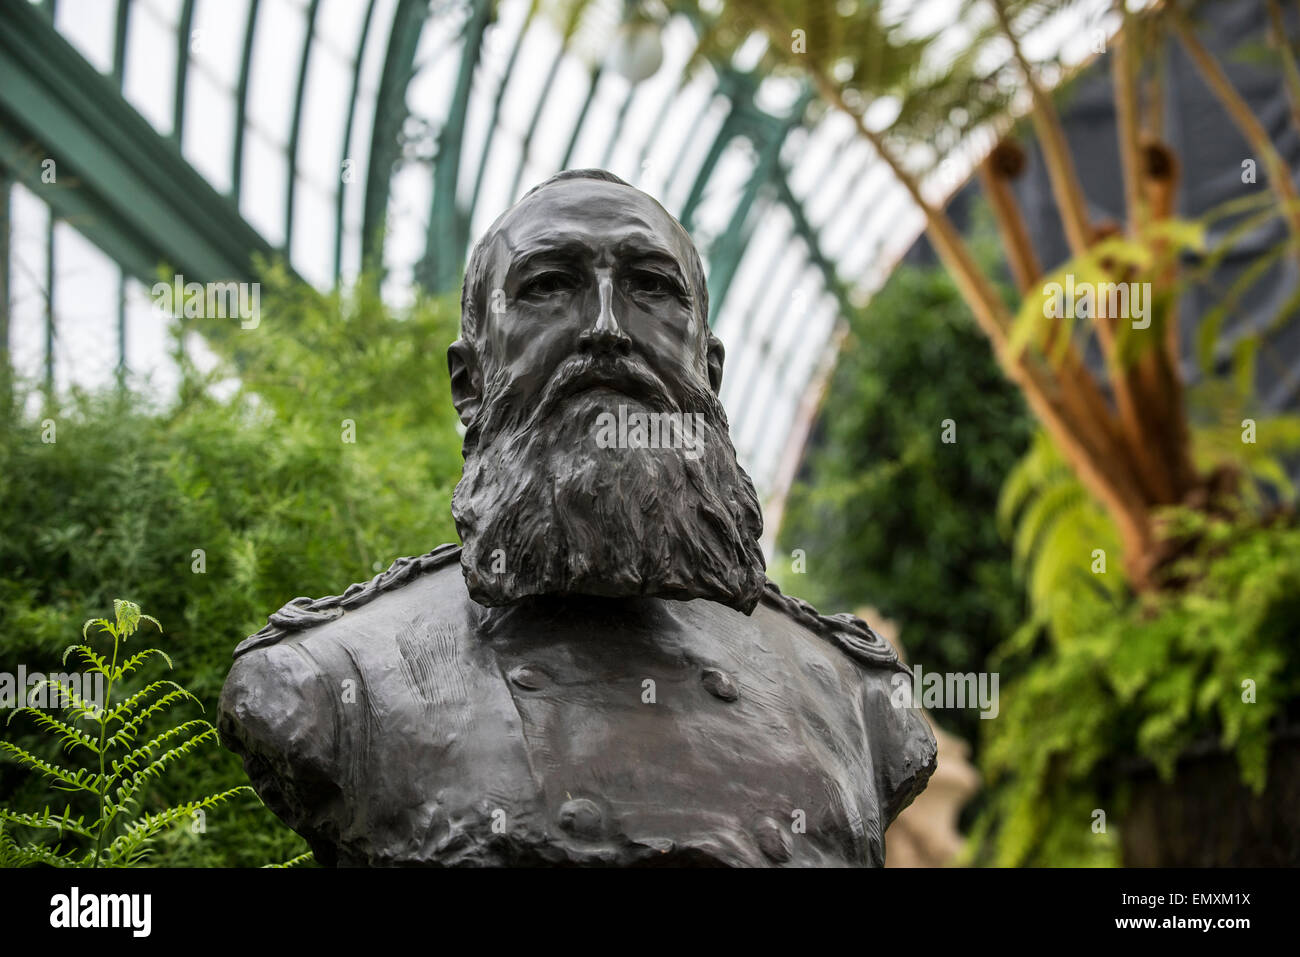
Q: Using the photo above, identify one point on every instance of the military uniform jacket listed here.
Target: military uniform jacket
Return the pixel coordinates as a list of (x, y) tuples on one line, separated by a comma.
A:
[(401, 723)]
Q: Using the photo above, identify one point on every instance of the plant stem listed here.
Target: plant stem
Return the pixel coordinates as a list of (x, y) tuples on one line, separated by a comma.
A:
[(1239, 111), (1124, 65), (103, 737), (1064, 178), (1289, 69)]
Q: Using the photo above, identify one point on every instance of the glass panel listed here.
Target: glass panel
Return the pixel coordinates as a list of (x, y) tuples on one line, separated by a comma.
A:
[(338, 24), (217, 40), (273, 76), (324, 113), (85, 301), (90, 26), (29, 220), (265, 180), (150, 75), (598, 124), (313, 235), (209, 129), (148, 344), (559, 115), (408, 223)]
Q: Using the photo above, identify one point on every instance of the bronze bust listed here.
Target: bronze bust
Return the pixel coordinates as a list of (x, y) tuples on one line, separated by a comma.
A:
[(602, 674)]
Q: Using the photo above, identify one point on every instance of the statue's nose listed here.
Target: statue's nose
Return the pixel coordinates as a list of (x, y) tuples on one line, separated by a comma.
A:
[(605, 335)]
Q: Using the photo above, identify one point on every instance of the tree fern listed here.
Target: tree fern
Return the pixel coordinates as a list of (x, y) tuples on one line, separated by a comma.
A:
[(115, 832)]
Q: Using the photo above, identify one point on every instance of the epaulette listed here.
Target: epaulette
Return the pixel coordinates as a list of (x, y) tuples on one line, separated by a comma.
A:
[(850, 634), (303, 613)]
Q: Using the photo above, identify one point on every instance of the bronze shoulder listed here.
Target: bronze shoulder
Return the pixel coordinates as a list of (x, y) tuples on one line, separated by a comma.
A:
[(850, 634), (303, 613)]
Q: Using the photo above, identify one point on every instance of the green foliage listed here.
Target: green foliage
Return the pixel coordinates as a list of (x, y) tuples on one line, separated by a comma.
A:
[(1056, 530), (887, 513), (126, 765), (935, 94), (1104, 679), (1237, 221), (1109, 264), (254, 472)]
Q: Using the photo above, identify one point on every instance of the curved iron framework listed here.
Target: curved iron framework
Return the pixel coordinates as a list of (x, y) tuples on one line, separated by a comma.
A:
[(403, 127)]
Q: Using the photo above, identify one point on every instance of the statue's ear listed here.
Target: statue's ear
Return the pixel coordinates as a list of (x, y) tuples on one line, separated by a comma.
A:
[(716, 355), (466, 379)]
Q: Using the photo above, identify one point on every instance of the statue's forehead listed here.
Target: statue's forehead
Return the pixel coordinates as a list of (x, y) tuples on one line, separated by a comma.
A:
[(591, 212)]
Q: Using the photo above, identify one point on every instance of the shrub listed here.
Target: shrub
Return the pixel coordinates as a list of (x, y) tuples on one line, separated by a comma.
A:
[(214, 509)]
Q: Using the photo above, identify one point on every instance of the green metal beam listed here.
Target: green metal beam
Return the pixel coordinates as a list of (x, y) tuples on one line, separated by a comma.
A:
[(444, 248), (596, 74), (760, 405), (390, 114), (121, 327), (657, 125), (768, 138), (486, 151), (295, 129), (241, 104), (346, 145), (119, 41), (571, 24), (49, 304), (6, 207), (837, 287), (122, 185), (619, 120), (760, 332), (526, 145), (743, 119), (692, 132), (182, 69), (705, 172)]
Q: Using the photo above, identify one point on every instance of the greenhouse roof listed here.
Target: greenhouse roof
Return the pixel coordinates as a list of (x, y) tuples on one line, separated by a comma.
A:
[(339, 133)]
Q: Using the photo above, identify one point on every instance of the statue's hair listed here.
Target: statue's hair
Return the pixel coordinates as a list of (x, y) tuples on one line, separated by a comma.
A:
[(472, 292)]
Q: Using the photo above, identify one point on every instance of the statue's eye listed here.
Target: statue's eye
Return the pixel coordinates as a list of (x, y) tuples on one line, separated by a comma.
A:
[(651, 283), (549, 283)]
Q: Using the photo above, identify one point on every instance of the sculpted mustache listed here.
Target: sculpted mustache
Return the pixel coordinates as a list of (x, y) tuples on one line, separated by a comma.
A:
[(620, 373), (498, 414)]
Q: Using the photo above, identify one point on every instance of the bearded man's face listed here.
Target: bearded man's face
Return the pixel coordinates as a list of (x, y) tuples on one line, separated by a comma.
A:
[(587, 314)]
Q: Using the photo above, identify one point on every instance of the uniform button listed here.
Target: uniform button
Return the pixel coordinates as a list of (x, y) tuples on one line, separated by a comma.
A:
[(581, 818), (774, 841), (529, 678), (720, 684)]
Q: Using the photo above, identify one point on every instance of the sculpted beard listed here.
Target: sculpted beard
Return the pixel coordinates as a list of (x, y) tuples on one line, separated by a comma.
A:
[(542, 509)]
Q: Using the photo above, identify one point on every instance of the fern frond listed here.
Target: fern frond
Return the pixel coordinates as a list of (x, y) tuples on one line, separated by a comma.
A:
[(69, 736), (129, 761), (126, 734), (155, 767), (80, 709), (1039, 515), (27, 854), (128, 705), (48, 821), (104, 625), (81, 780), (291, 862), (125, 847), (128, 666), (88, 655)]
